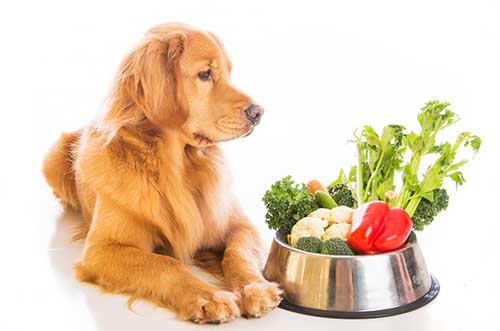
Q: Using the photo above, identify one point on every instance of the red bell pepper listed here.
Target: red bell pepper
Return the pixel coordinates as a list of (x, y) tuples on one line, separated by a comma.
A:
[(376, 228)]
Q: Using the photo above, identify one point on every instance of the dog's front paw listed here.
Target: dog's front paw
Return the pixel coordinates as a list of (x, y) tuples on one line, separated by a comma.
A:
[(259, 298), (212, 307)]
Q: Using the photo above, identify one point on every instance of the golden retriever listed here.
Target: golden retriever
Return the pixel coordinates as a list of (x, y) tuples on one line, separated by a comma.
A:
[(152, 185)]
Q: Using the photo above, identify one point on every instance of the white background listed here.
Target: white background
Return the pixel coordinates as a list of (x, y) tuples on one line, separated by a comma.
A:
[(321, 69)]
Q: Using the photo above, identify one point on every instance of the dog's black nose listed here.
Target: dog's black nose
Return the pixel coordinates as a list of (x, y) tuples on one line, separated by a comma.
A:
[(254, 113)]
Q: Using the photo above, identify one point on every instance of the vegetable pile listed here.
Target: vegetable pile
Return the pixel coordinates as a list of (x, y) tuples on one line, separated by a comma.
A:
[(362, 207)]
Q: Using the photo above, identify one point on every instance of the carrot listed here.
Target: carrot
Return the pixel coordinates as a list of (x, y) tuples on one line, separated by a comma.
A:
[(314, 185)]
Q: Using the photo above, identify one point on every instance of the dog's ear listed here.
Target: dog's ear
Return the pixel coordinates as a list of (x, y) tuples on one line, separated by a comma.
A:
[(151, 75)]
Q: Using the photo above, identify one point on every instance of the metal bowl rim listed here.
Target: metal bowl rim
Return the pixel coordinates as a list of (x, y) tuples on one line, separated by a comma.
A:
[(412, 242)]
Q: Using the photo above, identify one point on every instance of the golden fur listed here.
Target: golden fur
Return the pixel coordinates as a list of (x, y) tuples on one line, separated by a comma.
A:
[(152, 185)]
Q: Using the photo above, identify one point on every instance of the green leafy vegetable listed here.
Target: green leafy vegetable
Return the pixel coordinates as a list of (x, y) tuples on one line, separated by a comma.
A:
[(433, 118), (286, 203), (380, 158)]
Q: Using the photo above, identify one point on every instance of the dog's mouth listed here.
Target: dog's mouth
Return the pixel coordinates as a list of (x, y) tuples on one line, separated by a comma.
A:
[(249, 132), (202, 140)]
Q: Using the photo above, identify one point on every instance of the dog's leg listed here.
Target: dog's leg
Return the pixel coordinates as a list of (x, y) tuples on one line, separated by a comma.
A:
[(118, 257), (242, 272)]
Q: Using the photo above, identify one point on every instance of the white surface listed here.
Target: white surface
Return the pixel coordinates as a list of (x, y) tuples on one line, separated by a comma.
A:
[(320, 71)]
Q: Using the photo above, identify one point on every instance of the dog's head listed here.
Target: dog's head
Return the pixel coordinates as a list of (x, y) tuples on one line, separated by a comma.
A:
[(179, 78)]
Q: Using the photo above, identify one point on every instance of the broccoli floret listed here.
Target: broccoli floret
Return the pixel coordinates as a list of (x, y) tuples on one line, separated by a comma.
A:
[(286, 203), (424, 215), (441, 199), (342, 195), (335, 246), (309, 244), (426, 211)]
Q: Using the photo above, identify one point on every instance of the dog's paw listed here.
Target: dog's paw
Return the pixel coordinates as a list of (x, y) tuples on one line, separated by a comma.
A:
[(259, 298), (212, 307)]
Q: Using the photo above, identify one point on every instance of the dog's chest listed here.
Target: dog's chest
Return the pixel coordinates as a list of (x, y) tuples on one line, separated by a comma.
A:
[(200, 201), (213, 200)]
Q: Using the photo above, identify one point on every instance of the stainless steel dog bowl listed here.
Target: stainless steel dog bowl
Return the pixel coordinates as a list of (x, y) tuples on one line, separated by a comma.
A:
[(361, 286)]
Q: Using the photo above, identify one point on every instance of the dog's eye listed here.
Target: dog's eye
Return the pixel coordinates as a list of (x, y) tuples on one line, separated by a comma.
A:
[(205, 75)]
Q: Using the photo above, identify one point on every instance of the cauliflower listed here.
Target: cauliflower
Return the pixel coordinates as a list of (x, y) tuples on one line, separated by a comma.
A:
[(323, 214), (341, 214), (339, 230), (307, 227)]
